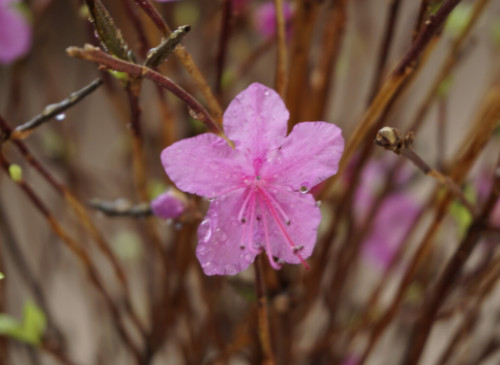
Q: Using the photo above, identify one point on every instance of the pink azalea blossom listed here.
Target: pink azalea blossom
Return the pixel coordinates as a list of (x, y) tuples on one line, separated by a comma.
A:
[(169, 205), (265, 18), (394, 217), (15, 32), (258, 191)]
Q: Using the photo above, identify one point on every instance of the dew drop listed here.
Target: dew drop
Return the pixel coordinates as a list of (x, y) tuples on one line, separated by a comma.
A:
[(304, 189), (205, 230), (209, 268), (231, 269), (266, 93), (60, 117), (319, 203)]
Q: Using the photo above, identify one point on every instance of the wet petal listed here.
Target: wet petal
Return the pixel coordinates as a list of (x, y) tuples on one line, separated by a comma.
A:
[(220, 236), (256, 120), (304, 217), (205, 165), (309, 155)]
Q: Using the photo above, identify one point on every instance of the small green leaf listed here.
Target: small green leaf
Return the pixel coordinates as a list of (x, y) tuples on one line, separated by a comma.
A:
[(30, 330), (458, 19), (460, 213), (109, 34), (2, 276), (16, 172), (155, 188), (444, 89), (127, 245), (122, 76), (156, 56)]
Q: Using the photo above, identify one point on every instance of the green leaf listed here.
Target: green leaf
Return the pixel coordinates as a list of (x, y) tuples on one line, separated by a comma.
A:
[(34, 322), (109, 34), (30, 330), (2, 276), (460, 213), (16, 172), (458, 19)]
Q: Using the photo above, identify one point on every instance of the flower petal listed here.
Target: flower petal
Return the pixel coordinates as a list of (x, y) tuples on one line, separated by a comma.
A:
[(392, 221), (256, 121), (15, 34), (309, 155), (304, 217), (220, 236), (205, 165)]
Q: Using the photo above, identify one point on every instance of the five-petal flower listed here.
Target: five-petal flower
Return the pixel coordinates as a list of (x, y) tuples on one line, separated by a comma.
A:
[(258, 191)]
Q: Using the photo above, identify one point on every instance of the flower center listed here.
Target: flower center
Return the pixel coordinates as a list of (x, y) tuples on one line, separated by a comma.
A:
[(258, 205)]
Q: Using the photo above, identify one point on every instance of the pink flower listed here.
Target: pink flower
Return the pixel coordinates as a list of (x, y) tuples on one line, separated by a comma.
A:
[(258, 191), (265, 18), (15, 32), (394, 217), (169, 205)]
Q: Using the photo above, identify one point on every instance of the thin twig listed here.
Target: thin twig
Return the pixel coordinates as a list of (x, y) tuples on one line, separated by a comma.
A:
[(280, 80), (83, 217), (95, 54), (52, 110), (392, 84), (449, 276), (394, 7), (225, 30), (121, 208), (262, 313), (82, 256), (186, 60), (475, 140), (392, 139)]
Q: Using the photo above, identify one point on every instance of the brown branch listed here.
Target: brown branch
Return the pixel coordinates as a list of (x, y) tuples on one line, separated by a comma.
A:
[(121, 208), (449, 276), (262, 313), (280, 80), (95, 54), (82, 256), (225, 30), (392, 139), (50, 111)]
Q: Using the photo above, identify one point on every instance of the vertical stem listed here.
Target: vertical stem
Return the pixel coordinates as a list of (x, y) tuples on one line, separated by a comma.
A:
[(263, 313), (225, 29), (281, 66)]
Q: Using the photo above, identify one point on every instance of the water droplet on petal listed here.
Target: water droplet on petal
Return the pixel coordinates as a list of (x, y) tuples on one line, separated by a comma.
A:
[(205, 230), (318, 203), (304, 189), (231, 269), (266, 93), (209, 268), (249, 257), (60, 117)]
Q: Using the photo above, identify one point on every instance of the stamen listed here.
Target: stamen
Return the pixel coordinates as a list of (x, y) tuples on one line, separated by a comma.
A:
[(241, 218), (273, 263), (282, 229), (230, 190), (251, 247), (278, 206)]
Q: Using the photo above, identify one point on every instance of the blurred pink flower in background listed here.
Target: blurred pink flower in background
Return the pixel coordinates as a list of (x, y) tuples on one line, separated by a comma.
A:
[(258, 191), (265, 18), (169, 205), (393, 218), (15, 32)]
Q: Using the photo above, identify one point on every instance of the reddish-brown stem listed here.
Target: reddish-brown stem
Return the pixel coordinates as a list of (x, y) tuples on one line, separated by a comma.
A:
[(95, 54), (280, 80), (225, 31), (394, 7), (263, 313), (82, 256), (449, 276)]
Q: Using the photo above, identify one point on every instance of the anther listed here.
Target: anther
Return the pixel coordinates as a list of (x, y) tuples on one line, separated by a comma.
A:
[(297, 248)]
